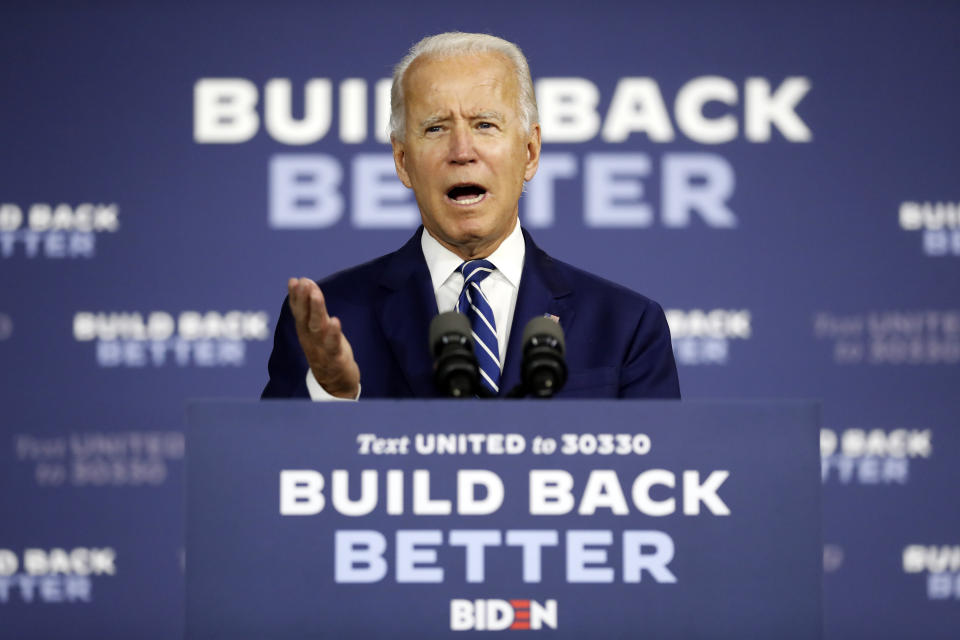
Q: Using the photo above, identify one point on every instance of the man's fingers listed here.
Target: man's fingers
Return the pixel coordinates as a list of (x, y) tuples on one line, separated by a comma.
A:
[(299, 295), (331, 339), (293, 289), (318, 311), (321, 337), (302, 292)]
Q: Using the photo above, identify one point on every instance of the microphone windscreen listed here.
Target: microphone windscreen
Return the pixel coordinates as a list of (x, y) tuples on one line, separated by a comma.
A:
[(542, 326), (445, 324)]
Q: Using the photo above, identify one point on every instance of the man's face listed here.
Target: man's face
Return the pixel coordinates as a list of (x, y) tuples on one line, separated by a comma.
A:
[(465, 152)]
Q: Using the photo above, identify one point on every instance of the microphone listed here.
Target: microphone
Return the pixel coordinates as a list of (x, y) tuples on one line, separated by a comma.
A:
[(455, 371), (544, 370)]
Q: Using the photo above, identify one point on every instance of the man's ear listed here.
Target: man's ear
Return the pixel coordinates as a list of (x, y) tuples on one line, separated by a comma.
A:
[(398, 160), (533, 153)]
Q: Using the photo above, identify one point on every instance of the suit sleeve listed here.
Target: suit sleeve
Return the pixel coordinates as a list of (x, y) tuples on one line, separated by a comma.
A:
[(649, 370), (287, 365)]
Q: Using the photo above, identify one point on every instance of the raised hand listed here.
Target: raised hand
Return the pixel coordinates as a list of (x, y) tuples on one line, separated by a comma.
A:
[(326, 348)]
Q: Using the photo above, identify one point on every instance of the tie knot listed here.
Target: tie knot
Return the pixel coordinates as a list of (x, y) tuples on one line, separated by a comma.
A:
[(475, 270)]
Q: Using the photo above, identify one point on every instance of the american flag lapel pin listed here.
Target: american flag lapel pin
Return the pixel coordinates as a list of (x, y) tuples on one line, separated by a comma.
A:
[(550, 316)]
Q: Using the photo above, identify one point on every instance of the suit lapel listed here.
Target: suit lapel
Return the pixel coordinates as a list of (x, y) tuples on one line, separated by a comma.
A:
[(543, 290), (405, 311)]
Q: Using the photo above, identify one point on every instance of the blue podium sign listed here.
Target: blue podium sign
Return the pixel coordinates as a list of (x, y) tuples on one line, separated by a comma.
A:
[(576, 519)]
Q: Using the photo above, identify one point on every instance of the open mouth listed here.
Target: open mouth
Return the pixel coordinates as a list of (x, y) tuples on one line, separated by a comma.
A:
[(467, 194)]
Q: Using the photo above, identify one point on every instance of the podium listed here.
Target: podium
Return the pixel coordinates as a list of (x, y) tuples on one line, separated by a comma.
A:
[(575, 519)]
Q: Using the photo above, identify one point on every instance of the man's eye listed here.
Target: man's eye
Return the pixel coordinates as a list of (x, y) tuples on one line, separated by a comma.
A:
[(433, 129), (485, 125)]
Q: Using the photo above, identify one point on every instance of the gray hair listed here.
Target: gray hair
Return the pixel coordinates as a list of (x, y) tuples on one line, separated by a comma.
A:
[(457, 43)]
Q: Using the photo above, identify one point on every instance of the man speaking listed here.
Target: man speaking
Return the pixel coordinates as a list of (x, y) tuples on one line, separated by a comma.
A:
[(465, 136)]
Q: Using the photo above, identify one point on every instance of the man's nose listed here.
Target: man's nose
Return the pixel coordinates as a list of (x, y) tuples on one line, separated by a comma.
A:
[(462, 149)]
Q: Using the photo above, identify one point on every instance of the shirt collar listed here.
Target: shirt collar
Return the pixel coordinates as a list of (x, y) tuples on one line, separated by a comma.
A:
[(508, 258)]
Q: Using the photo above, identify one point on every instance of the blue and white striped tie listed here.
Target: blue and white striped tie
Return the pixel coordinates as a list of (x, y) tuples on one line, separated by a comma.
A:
[(475, 305)]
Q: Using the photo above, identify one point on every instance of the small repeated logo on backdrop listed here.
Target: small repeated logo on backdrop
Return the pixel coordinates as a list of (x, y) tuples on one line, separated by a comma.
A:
[(161, 338), (54, 575), (703, 337), (940, 563), (55, 231), (502, 615), (892, 337), (100, 458), (874, 457), (6, 326), (938, 224)]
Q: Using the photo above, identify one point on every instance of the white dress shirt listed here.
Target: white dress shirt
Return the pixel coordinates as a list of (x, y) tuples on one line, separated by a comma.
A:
[(500, 288)]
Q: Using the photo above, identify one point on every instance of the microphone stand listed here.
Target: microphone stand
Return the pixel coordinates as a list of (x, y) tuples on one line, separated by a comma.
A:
[(519, 391)]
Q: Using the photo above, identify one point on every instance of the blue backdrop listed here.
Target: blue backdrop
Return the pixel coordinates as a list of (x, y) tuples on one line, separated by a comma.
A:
[(781, 177)]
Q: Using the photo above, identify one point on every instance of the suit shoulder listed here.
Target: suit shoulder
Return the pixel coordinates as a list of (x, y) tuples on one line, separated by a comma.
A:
[(355, 282), (595, 289)]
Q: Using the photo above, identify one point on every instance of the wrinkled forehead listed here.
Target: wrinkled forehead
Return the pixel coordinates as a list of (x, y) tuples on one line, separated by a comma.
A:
[(433, 74)]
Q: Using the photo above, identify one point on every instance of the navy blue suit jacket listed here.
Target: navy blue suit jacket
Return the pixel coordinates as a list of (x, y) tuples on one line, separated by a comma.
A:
[(617, 341)]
